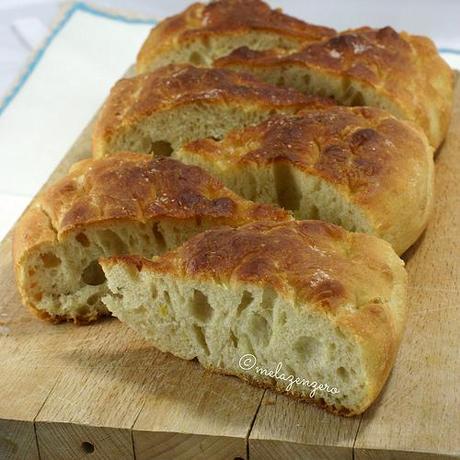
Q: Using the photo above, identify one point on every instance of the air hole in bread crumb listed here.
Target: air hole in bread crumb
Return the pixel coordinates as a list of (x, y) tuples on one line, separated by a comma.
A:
[(50, 260), (358, 99), (200, 337), (144, 144), (233, 339), (287, 192), (82, 311), (306, 347), (163, 310), (166, 297), (110, 240), (196, 58), (83, 240), (343, 373), (268, 297), (159, 238), (281, 318), (199, 306), (161, 148), (314, 212), (259, 329), (246, 299), (246, 345), (93, 274), (92, 299), (251, 187)]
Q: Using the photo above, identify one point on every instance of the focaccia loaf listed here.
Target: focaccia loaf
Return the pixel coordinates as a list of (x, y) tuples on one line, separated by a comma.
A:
[(358, 167), (398, 72), (329, 305), (128, 204), (158, 112)]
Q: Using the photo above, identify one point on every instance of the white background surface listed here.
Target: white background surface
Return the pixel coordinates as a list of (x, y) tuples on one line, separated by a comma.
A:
[(90, 53)]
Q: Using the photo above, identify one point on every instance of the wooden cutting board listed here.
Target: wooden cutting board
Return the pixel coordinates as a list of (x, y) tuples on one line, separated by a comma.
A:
[(68, 392)]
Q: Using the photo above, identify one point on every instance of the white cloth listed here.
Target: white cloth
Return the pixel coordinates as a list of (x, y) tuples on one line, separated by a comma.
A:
[(89, 50), (58, 95)]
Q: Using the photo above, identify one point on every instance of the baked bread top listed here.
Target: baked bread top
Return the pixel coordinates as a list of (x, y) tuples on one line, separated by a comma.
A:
[(131, 187), (176, 85), (398, 72), (170, 88), (236, 20), (405, 72), (380, 164), (351, 277)]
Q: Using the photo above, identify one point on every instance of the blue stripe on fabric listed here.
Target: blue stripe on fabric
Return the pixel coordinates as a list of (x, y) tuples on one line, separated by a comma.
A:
[(449, 50)]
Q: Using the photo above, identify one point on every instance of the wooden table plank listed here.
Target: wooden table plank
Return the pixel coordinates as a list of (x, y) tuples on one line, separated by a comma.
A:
[(420, 407), (285, 428), (17, 440), (209, 417), (24, 385), (101, 385)]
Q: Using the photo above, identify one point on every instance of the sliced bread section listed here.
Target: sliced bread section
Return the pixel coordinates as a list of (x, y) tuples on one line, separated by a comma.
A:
[(272, 303), (158, 112), (398, 72), (128, 204), (357, 167)]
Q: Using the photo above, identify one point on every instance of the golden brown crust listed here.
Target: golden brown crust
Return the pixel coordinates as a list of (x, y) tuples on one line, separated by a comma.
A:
[(406, 70), (308, 260), (128, 187), (134, 99), (33, 228), (231, 18), (380, 164), (132, 187), (356, 280), (137, 187)]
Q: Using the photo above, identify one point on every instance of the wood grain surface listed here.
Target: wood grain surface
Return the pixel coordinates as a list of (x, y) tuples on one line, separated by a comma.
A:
[(100, 391)]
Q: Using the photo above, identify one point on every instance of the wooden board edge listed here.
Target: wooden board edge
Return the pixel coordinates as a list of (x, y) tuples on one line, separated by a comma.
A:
[(274, 450), (167, 445), (380, 454), (18, 440), (59, 440)]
